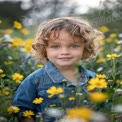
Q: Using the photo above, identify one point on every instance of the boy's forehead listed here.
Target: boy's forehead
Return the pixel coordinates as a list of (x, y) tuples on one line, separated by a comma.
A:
[(56, 36)]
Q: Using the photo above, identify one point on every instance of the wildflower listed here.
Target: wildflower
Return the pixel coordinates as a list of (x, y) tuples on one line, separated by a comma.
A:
[(71, 98), (1, 71), (17, 42), (83, 113), (99, 117), (101, 76), (9, 31), (112, 56), (5, 92), (17, 25), (28, 45), (25, 31), (98, 97), (38, 100), (40, 65), (101, 59), (108, 40), (113, 35), (0, 21), (53, 91), (12, 109), (17, 77), (97, 83), (2, 75), (104, 29), (8, 62), (110, 80), (54, 112), (118, 81), (28, 113)]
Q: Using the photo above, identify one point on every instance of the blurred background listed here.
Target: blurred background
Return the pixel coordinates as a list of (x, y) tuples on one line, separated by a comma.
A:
[(33, 12)]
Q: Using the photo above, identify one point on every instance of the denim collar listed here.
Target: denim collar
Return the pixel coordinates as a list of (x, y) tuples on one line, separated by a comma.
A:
[(57, 77)]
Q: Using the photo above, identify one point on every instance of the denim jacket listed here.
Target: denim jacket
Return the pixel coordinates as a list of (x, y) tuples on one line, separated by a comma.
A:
[(37, 83)]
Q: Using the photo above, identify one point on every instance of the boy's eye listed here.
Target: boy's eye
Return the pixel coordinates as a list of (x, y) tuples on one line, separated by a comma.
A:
[(74, 46), (55, 46)]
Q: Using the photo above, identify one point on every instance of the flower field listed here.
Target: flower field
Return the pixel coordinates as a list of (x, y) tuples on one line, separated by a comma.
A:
[(104, 98)]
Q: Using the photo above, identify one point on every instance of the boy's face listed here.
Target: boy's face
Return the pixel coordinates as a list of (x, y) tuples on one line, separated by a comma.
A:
[(64, 51)]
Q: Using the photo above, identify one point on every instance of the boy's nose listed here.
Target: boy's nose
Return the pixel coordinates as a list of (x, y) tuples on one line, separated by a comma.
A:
[(64, 50)]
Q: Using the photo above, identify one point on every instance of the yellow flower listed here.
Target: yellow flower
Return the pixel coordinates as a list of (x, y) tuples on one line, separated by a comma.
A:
[(5, 92), (104, 29), (3, 75), (71, 98), (38, 100), (98, 97), (8, 62), (97, 83), (100, 76), (118, 81), (110, 80), (12, 109), (40, 65), (83, 113), (1, 71), (17, 77), (9, 31), (112, 35), (28, 45), (101, 59), (17, 25), (16, 42), (25, 31), (112, 56), (108, 40), (54, 91), (0, 21), (28, 113)]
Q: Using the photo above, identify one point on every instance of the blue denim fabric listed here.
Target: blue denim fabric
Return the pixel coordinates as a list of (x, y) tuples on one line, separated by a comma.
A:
[(36, 84)]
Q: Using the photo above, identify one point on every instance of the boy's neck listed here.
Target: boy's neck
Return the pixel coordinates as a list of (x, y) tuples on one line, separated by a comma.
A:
[(69, 74)]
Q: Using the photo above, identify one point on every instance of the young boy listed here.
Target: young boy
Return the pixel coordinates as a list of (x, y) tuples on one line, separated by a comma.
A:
[(61, 43)]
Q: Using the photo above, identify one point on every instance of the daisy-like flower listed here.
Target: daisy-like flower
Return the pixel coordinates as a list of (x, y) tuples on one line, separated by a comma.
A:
[(38, 100), (25, 31), (54, 91), (0, 21), (72, 98), (28, 113), (98, 83), (83, 113), (8, 62), (112, 56), (1, 71), (104, 29), (17, 25), (12, 109), (17, 77), (16, 42), (98, 96), (40, 65)]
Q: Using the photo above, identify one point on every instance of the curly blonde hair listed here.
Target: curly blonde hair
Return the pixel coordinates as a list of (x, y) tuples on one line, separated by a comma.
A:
[(74, 26)]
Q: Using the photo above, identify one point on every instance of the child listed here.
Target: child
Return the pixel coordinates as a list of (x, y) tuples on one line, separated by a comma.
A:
[(60, 43)]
